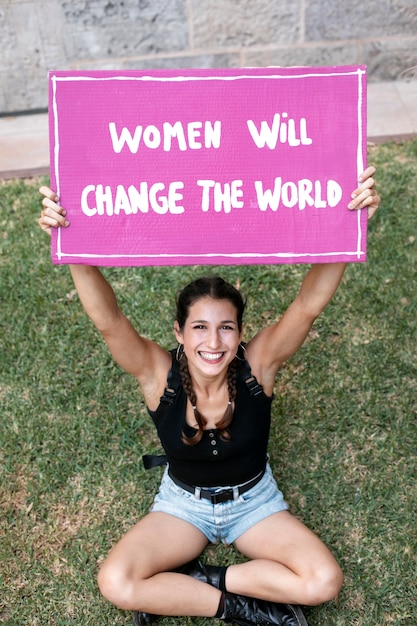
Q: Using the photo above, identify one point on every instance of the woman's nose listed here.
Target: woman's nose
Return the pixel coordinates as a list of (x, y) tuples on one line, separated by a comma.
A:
[(213, 339)]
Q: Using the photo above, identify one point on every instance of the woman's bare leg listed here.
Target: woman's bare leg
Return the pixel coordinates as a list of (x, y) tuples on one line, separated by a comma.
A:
[(289, 564), (137, 573)]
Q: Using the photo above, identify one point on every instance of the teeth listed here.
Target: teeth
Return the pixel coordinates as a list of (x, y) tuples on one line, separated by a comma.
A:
[(209, 356)]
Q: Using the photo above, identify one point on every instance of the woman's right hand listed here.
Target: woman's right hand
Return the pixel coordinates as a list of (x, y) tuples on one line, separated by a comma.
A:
[(52, 215)]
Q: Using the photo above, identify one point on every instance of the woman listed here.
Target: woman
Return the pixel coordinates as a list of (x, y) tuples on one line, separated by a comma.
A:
[(210, 400)]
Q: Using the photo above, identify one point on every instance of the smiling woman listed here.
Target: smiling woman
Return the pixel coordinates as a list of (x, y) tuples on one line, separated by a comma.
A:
[(210, 400), (209, 333)]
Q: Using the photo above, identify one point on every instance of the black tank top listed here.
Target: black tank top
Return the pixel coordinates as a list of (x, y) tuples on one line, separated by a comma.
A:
[(214, 462)]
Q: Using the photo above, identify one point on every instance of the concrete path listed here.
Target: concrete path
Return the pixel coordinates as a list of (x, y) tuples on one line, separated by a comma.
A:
[(24, 149)]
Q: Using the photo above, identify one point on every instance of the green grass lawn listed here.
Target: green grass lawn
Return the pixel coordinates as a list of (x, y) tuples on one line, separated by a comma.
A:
[(73, 427)]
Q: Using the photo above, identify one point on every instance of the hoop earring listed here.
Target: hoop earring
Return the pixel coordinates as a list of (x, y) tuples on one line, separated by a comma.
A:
[(180, 352), (243, 349)]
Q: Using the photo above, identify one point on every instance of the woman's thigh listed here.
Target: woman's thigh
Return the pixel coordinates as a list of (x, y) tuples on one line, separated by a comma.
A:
[(289, 563), (281, 537), (157, 543), (134, 573)]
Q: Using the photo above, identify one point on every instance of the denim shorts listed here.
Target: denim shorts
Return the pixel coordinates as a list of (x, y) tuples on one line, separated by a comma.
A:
[(225, 521)]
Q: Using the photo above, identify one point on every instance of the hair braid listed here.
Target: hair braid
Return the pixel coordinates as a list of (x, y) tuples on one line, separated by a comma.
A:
[(224, 423), (226, 420), (187, 383)]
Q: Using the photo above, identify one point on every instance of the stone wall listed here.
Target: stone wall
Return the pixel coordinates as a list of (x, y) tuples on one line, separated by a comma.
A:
[(38, 35)]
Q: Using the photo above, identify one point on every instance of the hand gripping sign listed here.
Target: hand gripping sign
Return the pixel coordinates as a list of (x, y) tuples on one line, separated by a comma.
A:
[(231, 166)]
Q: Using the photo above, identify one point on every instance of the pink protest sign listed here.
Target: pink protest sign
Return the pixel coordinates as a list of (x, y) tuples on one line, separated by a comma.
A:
[(184, 167)]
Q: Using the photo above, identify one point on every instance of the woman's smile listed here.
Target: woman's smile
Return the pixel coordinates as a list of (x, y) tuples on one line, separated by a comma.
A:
[(212, 357), (210, 335)]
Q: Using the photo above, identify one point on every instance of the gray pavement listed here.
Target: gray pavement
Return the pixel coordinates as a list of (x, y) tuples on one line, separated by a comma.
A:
[(24, 149)]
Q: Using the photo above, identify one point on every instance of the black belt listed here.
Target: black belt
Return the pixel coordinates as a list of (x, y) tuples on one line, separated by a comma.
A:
[(220, 495)]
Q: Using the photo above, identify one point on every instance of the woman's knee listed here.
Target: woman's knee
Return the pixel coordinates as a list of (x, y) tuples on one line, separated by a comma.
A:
[(324, 584), (118, 585)]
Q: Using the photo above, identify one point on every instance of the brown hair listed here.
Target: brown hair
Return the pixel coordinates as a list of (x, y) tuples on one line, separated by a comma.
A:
[(209, 286), (224, 423), (217, 288)]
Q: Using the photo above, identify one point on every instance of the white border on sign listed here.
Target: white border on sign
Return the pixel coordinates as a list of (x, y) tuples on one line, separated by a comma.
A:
[(358, 253)]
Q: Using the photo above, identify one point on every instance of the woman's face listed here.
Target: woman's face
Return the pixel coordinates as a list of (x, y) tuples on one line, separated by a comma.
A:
[(210, 335)]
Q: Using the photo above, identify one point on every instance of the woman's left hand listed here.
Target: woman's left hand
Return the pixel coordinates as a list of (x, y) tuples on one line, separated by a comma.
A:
[(366, 195)]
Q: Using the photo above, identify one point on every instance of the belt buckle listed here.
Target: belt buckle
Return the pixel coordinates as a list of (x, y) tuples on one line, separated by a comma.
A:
[(222, 496)]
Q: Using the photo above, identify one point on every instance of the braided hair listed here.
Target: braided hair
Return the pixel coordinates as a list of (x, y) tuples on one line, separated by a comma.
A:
[(224, 423), (216, 288)]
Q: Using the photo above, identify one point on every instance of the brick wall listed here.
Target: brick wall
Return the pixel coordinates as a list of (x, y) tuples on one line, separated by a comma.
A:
[(38, 35)]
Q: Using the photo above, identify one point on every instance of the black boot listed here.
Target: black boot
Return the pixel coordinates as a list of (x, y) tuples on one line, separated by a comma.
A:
[(211, 574), (143, 619), (246, 611)]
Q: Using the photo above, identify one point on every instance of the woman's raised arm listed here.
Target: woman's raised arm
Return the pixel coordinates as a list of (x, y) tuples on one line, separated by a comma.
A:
[(139, 356), (272, 346)]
